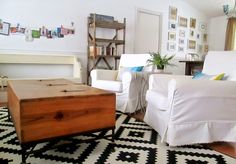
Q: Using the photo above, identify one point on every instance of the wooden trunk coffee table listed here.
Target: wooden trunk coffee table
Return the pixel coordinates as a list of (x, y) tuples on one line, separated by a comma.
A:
[(52, 108)]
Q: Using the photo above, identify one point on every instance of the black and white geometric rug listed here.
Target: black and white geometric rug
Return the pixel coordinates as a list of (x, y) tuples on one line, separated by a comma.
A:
[(135, 142)]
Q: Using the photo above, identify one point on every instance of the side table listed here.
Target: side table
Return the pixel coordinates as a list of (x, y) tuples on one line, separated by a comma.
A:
[(144, 87), (192, 66)]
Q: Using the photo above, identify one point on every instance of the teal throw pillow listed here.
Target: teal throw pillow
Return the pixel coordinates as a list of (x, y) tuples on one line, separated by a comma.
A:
[(128, 69)]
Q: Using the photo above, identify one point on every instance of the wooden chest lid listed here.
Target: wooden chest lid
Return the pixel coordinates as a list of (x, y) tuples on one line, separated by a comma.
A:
[(52, 88)]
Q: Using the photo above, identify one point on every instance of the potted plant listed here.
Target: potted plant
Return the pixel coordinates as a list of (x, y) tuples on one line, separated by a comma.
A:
[(159, 61)]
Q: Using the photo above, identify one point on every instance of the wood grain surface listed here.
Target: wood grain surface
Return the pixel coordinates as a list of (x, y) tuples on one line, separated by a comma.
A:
[(52, 108)]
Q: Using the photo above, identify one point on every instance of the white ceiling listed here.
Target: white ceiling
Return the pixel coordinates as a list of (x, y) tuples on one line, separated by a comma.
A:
[(211, 8)]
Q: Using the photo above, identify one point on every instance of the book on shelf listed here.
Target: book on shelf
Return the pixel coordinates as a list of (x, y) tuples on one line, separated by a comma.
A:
[(91, 51), (101, 50)]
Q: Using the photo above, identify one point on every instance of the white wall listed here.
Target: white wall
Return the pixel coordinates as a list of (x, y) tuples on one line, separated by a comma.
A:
[(52, 13), (217, 31)]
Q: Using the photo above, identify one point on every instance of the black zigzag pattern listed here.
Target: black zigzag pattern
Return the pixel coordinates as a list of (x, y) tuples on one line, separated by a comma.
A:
[(135, 142)]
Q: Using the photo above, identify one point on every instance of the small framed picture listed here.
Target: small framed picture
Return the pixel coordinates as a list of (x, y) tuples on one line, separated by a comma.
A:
[(4, 28), (206, 48), (198, 36), (200, 48), (191, 33), (191, 44), (192, 22), (173, 13), (181, 33), (202, 26), (204, 38), (35, 33), (171, 46), (183, 22), (181, 41), (17, 30), (171, 36), (172, 26), (181, 49)]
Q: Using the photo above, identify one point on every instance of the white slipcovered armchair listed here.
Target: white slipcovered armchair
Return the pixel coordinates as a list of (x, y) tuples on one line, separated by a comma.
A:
[(130, 88), (186, 111)]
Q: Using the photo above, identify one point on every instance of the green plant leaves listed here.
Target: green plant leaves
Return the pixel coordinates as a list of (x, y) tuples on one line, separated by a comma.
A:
[(159, 61)]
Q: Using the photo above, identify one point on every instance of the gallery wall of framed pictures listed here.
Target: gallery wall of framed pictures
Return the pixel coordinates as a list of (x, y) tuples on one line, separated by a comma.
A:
[(35, 33), (186, 34)]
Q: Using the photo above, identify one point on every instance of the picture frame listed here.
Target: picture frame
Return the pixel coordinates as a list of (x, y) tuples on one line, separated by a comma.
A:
[(198, 36), (35, 33), (181, 41), (5, 28), (171, 36), (183, 22), (200, 48), (206, 48), (17, 30), (191, 44), (181, 33), (173, 13), (181, 49), (192, 23), (191, 33), (171, 46), (204, 37), (202, 26), (172, 26)]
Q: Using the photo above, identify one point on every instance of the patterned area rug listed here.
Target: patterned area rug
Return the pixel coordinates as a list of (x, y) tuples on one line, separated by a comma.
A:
[(135, 142)]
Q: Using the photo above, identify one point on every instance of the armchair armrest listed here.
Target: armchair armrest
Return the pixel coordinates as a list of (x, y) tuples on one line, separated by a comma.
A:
[(160, 81), (207, 99), (205, 88), (133, 82), (129, 76), (103, 74)]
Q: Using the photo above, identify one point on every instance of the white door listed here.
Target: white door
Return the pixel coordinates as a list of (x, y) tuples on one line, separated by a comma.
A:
[(148, 31)]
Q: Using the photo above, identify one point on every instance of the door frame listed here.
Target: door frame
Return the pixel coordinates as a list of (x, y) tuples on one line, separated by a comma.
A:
[(140, 10)]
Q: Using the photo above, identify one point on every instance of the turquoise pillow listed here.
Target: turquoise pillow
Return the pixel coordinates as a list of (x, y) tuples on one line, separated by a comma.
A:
[(128, 69), (203, 76), (136, 69)]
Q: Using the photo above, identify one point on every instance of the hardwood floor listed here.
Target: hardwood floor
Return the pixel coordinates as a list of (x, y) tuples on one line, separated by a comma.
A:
[(227, 148)]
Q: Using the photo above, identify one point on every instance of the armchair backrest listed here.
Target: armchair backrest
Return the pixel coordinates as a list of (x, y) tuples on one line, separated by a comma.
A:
[(133, 60), (219, 62)]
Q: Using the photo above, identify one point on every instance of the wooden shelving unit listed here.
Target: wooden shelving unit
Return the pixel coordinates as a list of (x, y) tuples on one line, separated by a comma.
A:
[(104, 49)]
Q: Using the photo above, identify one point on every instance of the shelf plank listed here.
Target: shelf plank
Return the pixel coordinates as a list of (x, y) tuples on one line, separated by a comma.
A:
[(106, 56), (110, 25), (101, 40)]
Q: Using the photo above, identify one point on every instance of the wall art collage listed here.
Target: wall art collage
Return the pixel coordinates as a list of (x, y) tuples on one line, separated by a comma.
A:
[(35, 33), (186, 35)]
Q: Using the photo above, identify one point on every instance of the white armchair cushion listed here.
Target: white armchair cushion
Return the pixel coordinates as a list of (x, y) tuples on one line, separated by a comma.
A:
[(115, 86)]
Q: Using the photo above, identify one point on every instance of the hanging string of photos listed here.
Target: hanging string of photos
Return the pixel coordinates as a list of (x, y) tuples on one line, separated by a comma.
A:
[(58, 32)]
